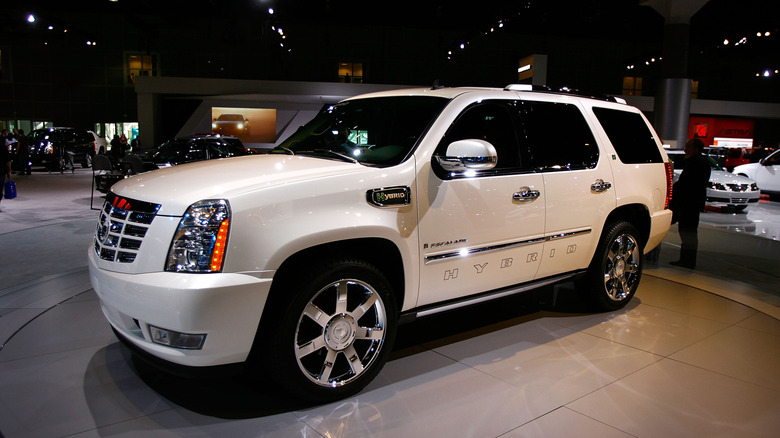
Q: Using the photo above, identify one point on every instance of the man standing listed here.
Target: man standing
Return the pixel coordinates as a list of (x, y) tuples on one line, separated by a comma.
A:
[(5, 167), (689, 195)]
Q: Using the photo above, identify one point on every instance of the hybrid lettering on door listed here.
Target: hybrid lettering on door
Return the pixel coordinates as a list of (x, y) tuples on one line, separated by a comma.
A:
[(504, 263)]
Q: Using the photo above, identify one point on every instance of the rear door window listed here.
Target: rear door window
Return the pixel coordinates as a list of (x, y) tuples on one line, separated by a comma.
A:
[(557, 136)]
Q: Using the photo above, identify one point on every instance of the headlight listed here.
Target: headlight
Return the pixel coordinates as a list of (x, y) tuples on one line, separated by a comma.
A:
[(200, 240), (240, 126), (716, 186), (213, 126), (754, 187)]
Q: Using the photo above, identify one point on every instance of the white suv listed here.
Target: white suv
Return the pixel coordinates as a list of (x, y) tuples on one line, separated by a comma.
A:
[(383, 208)]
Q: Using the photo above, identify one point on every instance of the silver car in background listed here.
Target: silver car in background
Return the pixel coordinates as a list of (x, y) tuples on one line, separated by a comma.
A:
[(724, 190)]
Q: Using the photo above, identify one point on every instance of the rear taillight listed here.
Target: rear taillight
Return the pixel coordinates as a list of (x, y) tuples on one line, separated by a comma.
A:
[(669, 167)]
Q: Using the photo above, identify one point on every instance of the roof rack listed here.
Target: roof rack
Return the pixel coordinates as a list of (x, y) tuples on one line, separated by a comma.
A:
[(563, 90)]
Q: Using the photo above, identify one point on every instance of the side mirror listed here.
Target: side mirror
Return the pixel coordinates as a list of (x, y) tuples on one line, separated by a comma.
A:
[(469, 154)]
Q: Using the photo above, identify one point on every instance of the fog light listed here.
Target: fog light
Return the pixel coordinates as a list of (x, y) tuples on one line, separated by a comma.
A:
[(175, 339)]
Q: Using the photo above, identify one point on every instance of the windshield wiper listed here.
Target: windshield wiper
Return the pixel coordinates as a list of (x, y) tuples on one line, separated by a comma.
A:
[(286, 150), (332, 153)]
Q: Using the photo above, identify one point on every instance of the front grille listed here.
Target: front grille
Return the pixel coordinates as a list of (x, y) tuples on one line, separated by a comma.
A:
[(739, 187), (121, 228)]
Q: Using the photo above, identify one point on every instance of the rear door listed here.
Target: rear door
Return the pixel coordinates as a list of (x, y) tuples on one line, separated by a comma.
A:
[(577, 182)]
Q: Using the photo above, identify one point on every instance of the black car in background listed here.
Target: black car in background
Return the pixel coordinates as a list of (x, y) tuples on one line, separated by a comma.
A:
[(49, 147), (195, 148)]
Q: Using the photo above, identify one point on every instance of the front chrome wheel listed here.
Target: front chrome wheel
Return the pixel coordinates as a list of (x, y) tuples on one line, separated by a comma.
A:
[(328, 333), (340, 332)]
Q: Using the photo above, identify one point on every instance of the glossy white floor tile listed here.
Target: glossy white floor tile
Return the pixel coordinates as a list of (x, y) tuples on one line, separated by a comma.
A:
[(674, 399), (677, 361), (695, 354)]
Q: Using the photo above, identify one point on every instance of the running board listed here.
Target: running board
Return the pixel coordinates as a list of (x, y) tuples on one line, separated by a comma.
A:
[(421, 312)]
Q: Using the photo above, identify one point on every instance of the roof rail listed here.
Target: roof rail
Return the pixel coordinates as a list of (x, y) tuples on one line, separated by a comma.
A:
[(526, 87), (562, 90)]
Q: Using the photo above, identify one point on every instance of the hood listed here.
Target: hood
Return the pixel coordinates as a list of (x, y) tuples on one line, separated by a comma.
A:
[(176, 188), (723, 177)]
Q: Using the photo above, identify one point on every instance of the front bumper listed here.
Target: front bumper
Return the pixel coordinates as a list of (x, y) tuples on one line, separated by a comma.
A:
[(225, 307), (720, 198)]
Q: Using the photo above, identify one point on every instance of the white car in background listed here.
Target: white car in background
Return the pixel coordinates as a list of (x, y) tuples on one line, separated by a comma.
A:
[(725, 189), (101, 145), (766, 174)]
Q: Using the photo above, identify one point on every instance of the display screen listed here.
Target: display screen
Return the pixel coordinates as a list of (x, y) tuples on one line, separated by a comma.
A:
[(251, 125)]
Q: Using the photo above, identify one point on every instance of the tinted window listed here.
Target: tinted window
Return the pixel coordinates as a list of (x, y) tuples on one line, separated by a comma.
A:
[(491, 121), (557, 136), (632, 139), (377, 131)]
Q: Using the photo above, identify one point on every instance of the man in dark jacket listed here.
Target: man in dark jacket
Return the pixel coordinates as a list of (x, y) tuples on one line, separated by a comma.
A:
[(5, 167), (688, 198)]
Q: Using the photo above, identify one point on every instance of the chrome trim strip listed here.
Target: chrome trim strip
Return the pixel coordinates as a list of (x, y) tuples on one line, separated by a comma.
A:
[(465, 252), (496, 295)]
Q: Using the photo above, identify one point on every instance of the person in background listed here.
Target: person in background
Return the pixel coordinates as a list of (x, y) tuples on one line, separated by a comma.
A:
[(5, 167), (117, 150), (689, 196), (23, 154)]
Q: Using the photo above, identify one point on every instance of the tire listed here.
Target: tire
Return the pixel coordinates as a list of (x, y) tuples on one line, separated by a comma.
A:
[(616, 268), (335, 332)]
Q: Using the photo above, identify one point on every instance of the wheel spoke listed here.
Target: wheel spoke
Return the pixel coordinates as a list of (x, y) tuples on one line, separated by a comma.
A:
[(309, 347), (370, 333), (364, 306), (327, 366), (355, 364), (341, 297), (316, 314)]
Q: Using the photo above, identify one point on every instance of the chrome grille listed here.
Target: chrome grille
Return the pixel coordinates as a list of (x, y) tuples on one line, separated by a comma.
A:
[(122, 227), (739, 187)]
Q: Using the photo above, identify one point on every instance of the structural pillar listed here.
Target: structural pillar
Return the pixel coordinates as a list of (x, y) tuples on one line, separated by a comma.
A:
[(672, 107)]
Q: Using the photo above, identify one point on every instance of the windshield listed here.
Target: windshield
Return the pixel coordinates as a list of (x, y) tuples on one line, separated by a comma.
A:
[(179, 151), (378, 131), (679, 159), (231, 117)]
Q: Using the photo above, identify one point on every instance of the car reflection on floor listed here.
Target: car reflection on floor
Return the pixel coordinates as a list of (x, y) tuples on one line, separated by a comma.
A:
[(762, 219)]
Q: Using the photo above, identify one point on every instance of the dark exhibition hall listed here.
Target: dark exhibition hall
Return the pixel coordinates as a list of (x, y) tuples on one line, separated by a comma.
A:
[(339, 218)]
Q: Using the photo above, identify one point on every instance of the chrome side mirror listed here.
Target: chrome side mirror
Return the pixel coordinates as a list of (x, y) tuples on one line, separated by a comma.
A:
[(471, 154)]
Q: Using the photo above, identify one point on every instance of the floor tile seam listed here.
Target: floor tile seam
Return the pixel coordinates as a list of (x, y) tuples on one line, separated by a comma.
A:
[(30, 283), (127, 420), (48, 223), (38, 315), (660, 358), (747, 382), (570, 409), (768, 312), (55, 353)]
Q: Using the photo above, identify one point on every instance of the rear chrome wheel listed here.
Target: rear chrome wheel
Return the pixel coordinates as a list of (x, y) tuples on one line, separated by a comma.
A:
[(616, 269)]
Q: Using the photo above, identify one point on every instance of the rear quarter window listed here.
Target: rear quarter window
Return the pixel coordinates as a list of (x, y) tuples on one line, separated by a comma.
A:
[(630, 136)]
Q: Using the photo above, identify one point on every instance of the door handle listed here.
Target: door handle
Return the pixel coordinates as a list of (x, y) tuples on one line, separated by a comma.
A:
[(600, 186), (525, 194)]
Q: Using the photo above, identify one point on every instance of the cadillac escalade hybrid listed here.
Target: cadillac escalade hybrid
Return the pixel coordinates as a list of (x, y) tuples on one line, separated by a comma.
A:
[(301, 263)]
